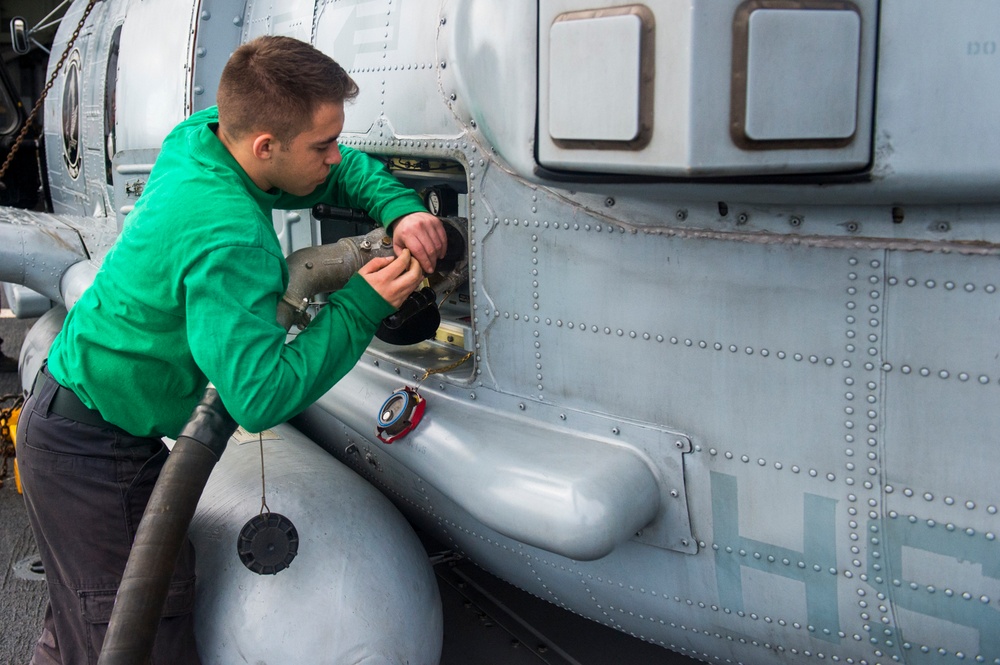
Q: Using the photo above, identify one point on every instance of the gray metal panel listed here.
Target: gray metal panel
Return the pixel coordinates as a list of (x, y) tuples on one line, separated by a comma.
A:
[(597, 54), (932, 68), (695, 309), (942, 385), (810, 57), (219, 27), (292, 18), (154, 83), (389, 49), (130, 173), (492, 71), (93, 69)]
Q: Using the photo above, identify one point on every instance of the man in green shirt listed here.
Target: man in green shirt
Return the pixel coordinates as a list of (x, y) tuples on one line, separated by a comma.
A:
[(188, 295)]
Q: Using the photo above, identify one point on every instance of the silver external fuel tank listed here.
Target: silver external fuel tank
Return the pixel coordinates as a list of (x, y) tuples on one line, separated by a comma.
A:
[(359, 567)]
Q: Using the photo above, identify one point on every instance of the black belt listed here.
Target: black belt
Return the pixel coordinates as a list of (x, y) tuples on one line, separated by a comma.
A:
[(65, 403)]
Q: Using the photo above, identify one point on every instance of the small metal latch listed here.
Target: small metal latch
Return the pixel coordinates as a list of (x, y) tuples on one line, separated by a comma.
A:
[(135, 188)]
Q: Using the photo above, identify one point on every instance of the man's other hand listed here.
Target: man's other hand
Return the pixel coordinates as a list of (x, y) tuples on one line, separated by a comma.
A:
[(423, 234), (393, 278)]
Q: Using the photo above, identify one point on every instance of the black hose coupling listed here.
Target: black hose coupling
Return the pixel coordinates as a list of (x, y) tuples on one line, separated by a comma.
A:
[(210, 423)]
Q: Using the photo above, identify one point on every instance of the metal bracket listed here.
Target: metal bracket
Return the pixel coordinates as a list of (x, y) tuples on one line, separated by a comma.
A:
[(671, 529)]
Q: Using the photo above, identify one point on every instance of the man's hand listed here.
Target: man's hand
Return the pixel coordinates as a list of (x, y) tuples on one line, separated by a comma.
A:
[(423, 234), (393, 279)]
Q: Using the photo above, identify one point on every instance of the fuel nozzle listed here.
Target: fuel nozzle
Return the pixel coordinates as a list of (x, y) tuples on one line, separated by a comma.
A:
[(418, 317)]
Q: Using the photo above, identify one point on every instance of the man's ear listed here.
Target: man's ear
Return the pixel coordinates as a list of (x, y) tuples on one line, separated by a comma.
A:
[(263, 146)]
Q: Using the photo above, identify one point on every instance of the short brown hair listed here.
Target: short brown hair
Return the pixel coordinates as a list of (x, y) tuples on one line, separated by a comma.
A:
[(275, 84)]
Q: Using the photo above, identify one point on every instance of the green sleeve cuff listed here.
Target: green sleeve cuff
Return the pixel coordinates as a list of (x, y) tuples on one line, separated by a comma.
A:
[(400, 207), (365, 299)]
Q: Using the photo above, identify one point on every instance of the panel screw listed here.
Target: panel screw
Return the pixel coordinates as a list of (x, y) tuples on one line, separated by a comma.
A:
[(609, 202)]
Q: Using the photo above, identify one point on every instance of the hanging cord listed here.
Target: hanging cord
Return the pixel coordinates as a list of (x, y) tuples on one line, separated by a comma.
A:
[(263, 501), (38, 104)]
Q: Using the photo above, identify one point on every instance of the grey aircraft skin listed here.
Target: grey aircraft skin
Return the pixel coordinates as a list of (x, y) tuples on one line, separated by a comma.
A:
[(732, 318)]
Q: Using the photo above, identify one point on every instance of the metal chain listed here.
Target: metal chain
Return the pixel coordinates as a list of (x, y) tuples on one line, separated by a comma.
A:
[(446, 368), (6, 440), (45, 91)]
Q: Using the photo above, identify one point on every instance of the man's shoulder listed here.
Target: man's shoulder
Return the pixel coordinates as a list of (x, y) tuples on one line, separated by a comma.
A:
[(198, 118), (188, 133)]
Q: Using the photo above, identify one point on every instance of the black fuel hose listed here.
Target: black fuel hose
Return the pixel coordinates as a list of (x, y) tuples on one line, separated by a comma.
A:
[(142, 593)]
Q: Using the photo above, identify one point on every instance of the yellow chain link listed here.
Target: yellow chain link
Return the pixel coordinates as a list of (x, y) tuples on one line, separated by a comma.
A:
[(6, 439), (447, 368)]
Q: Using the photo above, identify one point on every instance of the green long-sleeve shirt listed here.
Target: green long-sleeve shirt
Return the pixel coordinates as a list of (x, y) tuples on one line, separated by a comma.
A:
[(189, 294)]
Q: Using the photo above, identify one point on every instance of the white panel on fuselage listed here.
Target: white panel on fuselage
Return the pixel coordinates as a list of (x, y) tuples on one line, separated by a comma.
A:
[(154, 83)]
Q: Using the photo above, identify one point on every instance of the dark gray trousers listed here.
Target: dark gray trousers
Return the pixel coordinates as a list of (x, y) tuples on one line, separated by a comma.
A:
[(85, 489)]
